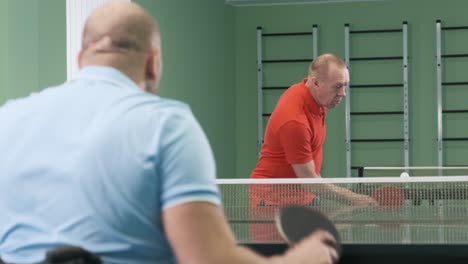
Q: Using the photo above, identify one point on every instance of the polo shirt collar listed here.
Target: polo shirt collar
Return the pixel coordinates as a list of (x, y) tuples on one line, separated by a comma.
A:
[(105, 73), (310, 101)]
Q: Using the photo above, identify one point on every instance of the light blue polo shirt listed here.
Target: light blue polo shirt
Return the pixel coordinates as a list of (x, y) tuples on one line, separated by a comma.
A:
[(93, 163)]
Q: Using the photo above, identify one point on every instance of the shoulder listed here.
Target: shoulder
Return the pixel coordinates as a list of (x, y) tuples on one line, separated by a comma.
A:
[(290, 106), (292, 99), (31, 101), (147, 107), (168, 117), (170, 111), (172, 106)]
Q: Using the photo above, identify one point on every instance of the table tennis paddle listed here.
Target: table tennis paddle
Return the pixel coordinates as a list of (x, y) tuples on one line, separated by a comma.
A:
[(388, 196), (296, 223)]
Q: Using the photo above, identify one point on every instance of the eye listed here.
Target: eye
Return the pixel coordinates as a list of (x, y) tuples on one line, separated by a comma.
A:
[(339, 85)]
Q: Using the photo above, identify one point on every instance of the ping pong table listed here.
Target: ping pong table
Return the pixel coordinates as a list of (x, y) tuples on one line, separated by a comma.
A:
[(431, 226), (385, 253)]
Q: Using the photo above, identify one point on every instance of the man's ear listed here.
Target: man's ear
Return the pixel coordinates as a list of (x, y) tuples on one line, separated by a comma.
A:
[(79, 59), (151, 64), (313, 80)]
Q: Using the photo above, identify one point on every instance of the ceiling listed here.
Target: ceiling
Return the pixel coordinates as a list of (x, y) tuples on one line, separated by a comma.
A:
[(288, 2)]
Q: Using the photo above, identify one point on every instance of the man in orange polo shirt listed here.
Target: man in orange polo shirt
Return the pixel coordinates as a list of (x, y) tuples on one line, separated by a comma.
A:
[(294, 138)]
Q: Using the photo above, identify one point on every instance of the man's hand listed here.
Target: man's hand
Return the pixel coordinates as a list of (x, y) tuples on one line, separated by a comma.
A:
[(362, 200), (195, 228)]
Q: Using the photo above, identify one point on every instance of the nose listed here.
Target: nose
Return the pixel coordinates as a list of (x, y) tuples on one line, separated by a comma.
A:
[(341, 92)]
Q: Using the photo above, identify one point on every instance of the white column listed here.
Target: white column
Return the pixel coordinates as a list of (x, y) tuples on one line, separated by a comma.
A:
[(77, 12)]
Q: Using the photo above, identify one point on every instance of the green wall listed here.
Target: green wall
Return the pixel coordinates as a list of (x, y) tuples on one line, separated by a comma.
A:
[(3, 48), (52, 43), (198, 59), (330, 19), (33, 47), (209, 52), (23, 47), (198, 67)]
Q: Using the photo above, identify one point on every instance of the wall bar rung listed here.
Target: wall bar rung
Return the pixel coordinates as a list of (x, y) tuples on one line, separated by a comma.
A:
[(287, 34), (275, 88), (461, 55), (376, 58), (375, 31), (379, 140), (454, 111), (382, 85), (287, 60), (455, 28), (379, 113), (454, 83), (455, 139)]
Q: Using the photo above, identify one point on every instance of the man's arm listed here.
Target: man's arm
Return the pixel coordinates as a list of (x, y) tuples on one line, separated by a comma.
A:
[(330, 191), (194, 225), (199, 234), (306, 170)]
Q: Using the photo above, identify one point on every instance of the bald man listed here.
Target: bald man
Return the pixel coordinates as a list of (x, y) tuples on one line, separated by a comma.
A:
[(295, 134), (101, 163)]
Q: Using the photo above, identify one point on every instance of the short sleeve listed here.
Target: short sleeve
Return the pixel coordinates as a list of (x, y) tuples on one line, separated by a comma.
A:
[(296, 141), (187, 167)]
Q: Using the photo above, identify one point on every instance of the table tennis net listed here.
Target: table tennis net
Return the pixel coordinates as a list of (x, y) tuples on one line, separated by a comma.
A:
[(413, 171), (418, 210)]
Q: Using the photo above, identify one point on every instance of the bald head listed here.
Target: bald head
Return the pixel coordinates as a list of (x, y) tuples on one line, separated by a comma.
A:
[(128, 25), (122, 35), (320, 67)]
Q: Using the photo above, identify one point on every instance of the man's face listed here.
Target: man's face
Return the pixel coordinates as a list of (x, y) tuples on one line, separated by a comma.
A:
[(331, 87)]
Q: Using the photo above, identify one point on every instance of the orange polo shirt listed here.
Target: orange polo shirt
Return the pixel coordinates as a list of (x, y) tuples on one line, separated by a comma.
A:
[(295, 134)]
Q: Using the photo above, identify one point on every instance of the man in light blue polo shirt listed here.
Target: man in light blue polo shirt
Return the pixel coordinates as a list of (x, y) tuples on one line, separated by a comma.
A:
[(101, 163)]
